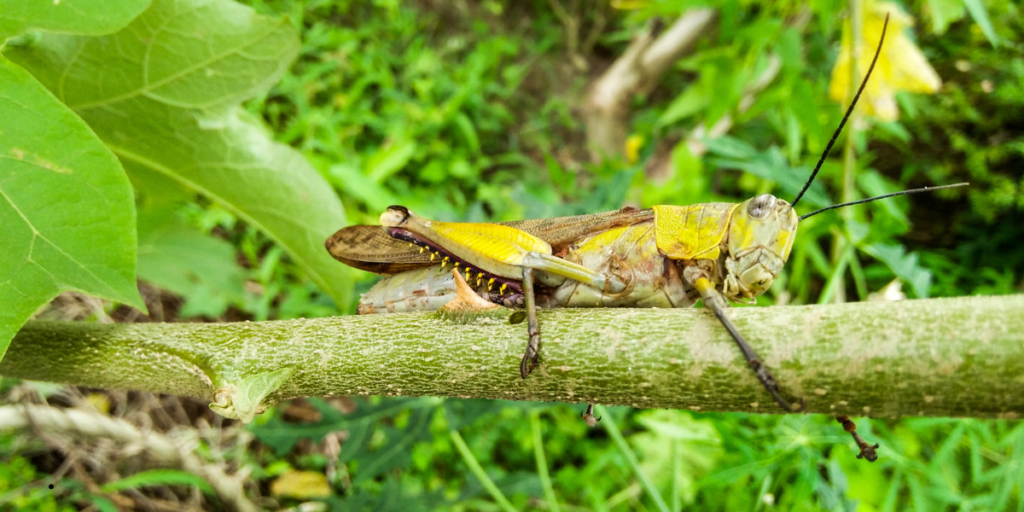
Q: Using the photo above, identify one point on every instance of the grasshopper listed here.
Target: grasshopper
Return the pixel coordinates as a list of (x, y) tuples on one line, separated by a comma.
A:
[(666, 256)]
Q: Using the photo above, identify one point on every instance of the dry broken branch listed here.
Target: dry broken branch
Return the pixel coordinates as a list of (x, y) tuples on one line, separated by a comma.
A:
[(637, 72), (85, 425)]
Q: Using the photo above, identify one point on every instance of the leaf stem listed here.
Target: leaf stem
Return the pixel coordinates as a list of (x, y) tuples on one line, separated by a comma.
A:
[(613, 431), (479, 472)]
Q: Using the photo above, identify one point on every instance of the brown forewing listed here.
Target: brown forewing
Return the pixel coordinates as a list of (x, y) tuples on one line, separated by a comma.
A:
[(371, 248)]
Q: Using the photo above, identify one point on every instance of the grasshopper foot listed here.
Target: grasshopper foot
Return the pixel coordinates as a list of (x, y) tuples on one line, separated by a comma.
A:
[(867, 451), (530, 358), (772, 386), (714, 300), (589, 417)]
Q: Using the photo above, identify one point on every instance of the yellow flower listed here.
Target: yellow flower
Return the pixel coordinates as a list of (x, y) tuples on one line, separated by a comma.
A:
[(633, 145), (302, 485), (628, 4), (901, 65), (99, 401)]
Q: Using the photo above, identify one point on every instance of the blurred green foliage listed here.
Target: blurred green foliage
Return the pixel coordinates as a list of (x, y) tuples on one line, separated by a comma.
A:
[(472, 111), (400, 450), (20, 486)]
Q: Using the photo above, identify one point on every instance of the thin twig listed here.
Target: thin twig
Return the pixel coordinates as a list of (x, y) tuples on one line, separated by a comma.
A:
[(854, 359), (638, 71)]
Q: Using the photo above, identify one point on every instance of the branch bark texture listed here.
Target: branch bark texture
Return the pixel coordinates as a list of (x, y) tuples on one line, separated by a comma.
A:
[(935, 357)]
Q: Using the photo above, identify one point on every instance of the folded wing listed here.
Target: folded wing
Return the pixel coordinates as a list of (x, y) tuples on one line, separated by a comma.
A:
[(370, 248)]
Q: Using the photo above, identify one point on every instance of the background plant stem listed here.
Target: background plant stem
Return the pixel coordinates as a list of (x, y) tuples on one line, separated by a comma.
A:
[(849, 154)]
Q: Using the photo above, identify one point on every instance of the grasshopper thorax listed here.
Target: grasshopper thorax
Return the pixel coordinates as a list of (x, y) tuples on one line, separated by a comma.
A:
[(761, 235)]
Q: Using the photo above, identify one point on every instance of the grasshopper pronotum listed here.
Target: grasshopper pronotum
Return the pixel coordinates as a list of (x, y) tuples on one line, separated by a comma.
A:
[(666, 256)]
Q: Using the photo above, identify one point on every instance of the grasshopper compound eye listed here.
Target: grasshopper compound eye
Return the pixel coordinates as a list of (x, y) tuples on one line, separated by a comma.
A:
[(761, 205), (394, 216)]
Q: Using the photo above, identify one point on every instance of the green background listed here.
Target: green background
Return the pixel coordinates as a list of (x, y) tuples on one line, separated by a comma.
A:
[(475, 111)]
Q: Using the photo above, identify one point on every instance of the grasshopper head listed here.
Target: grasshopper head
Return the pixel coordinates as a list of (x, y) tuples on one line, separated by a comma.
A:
[(760, 237), (395, 216)]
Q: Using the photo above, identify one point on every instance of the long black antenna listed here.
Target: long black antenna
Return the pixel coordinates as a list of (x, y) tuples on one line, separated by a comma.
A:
[(848, 111), (876, 198)]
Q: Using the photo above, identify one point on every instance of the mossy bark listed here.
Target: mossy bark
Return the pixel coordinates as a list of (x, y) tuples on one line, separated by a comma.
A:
[(936, 357)]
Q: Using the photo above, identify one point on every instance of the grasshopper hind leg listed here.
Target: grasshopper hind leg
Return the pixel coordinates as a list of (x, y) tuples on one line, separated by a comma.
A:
[(867, 451), (588, 416), (554, 266), (529, 361)]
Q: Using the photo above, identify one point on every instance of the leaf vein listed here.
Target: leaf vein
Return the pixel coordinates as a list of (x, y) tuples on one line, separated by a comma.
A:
[(37, 234), (150, 86)]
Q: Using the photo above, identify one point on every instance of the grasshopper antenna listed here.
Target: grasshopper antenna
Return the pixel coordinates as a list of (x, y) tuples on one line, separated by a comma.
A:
[(876, 198), (848, 112)]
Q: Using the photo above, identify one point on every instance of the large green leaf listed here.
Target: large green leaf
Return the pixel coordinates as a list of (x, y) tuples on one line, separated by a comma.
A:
[(186, 261), (904, 265), (87, 17), (163, 94), (66, 207)]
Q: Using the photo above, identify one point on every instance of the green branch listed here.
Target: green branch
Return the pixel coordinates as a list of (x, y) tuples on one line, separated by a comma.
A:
[(937, 357)]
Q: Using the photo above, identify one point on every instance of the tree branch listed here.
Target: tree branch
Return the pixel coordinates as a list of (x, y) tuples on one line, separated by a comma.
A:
[(936, 357)]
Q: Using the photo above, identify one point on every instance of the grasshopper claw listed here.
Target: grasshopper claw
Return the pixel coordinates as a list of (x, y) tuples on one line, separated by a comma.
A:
[(714, 301), (589, 417), (529, 361), (772, 386)]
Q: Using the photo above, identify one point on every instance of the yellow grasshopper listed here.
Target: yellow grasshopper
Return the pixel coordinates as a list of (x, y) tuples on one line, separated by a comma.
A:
[(666, 256)]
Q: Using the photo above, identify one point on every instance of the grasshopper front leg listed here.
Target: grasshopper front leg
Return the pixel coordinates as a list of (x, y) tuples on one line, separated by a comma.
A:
[(715, 301)]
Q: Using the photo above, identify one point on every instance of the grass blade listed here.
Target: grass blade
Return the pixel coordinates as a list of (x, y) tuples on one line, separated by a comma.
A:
[(620, 442), (159, 477), (542, 462), (479, 472)]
